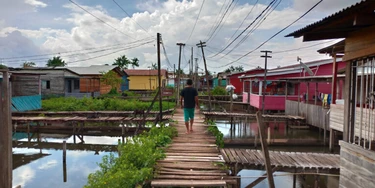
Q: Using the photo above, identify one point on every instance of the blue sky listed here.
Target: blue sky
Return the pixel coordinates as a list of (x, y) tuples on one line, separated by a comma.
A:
[(33, 27)]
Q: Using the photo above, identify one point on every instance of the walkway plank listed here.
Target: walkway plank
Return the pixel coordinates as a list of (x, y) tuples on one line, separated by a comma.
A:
[(191, 159)]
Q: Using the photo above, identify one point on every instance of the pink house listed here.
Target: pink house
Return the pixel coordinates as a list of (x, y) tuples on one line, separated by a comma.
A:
[(279, 89)]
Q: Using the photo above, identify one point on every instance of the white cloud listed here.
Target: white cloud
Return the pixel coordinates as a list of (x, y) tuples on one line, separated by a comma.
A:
[(49, 164), (174, 20), (23, 175), (36, 3)]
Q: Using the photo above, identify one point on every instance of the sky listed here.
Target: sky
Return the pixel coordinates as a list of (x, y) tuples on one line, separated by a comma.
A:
[(36, 30)]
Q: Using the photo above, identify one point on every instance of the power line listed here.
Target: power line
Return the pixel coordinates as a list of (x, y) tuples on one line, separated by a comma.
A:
[(101, 19), (221, 20), (271, 3), (195, 21), (268, 12), (217, 19), (18, 59), (130, 17), (165, 55), (274, 34)]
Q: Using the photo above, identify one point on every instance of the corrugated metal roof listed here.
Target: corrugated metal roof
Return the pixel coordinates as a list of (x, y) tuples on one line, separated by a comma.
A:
[(342, 13), (145, 72), (92, 70)]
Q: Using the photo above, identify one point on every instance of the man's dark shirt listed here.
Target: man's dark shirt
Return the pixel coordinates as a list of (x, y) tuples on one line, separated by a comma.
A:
[(189, 94)]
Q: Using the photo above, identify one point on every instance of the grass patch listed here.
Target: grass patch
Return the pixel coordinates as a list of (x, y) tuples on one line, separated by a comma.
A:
[(134, 167), (106, 104)]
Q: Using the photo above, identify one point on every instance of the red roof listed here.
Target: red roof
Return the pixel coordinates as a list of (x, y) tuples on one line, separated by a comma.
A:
[(145, 72)]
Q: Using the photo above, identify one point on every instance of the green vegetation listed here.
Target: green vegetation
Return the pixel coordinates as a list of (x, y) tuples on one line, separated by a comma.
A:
[(135, 164), (123, 62), (219, 91), (56, 62), (219, 136), (106, 104), (3, 66), (110, 78)]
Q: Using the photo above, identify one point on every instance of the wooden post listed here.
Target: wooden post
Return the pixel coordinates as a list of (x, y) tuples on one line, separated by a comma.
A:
[(316, 93), (266, 156), (260, 179), (231, 101), (331, 140), (299, 97), (294, 178), (201, 45), (64, 161), (268, 134), (159, 78), (5, 133), (286, 91), (334, 80)]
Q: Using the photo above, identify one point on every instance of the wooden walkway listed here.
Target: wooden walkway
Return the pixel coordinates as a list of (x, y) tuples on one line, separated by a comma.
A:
[(251, 116), (283, 161), (192, 160), (22, 119)]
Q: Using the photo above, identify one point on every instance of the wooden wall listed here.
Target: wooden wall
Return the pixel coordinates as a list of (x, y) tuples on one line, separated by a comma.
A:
[(315, 115), (87, 85), (360, 44), (357, 166), (25, 85), (337, 120)]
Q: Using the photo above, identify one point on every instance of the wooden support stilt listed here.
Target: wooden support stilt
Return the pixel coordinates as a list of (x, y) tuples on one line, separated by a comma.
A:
[(266, 156), (64, 162), (260, 179), (268, 134), (294, 178), (331, 140)]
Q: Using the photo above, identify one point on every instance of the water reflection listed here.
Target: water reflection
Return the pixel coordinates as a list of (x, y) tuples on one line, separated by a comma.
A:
[(38, 162)]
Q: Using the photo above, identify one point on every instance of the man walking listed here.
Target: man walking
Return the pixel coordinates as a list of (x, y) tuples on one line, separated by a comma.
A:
[(190, 97)]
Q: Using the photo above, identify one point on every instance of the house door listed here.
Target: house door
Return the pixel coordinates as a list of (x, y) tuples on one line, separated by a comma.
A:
[(69, 86)]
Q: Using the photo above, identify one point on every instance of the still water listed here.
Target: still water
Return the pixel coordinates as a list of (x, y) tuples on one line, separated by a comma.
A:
[(39, 167), (40, 163)]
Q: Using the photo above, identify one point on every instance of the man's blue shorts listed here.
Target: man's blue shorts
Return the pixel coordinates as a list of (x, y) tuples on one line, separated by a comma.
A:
[(188, 114)]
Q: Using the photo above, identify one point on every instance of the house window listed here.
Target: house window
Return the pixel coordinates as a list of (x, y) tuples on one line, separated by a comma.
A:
[(46, 84), (76, 84)]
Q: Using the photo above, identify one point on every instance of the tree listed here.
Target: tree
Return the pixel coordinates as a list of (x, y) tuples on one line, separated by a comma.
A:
[(28, 64), (154, 66), (135, 62), (180, 71), (123, 62), (56, 62), (110, 78), (234, 69), (3, 66)]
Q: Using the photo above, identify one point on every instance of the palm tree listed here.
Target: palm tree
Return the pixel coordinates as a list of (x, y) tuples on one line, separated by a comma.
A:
[(56, 62), (28, 64), (122, 62), (135, 62), (154, 66)]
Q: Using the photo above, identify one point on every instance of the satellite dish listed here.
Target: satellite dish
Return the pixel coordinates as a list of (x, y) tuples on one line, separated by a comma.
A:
[(307, 69)]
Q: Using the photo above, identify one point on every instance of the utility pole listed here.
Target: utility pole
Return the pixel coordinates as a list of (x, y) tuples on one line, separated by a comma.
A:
[(178, 73), (196, 80), (201, 45), (191, 65), (265, 75), (158, 35)]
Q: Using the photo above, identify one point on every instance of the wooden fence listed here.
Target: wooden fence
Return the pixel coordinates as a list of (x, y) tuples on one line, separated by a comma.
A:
[(315, 115)]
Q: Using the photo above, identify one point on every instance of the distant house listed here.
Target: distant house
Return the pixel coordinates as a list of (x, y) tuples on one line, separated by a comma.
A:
[(144, 79), (90, 78), (68, 81), (278, 86), (58, 81), (233, 78), (220, 80)]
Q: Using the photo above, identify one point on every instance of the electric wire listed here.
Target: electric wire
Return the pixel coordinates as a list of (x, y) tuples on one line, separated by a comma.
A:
[(264, 10), (130, 17), (100, 19), (273, 35), (217, 19), (200, 10)]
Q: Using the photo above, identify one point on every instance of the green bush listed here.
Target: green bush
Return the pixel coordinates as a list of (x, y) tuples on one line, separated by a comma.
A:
[(135, 164), (219, 136), (105, 104), (219, 91)]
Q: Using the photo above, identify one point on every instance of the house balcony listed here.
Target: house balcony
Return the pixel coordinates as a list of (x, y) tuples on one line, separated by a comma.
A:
[(271, 102)]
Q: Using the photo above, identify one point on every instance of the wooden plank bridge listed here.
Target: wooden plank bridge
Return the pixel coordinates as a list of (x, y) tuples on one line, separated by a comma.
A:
[(284, 161), (42, 119), (251, 116), (192, 160)]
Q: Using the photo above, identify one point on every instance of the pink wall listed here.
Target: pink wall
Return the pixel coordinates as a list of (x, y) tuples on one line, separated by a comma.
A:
[(271, 102)]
